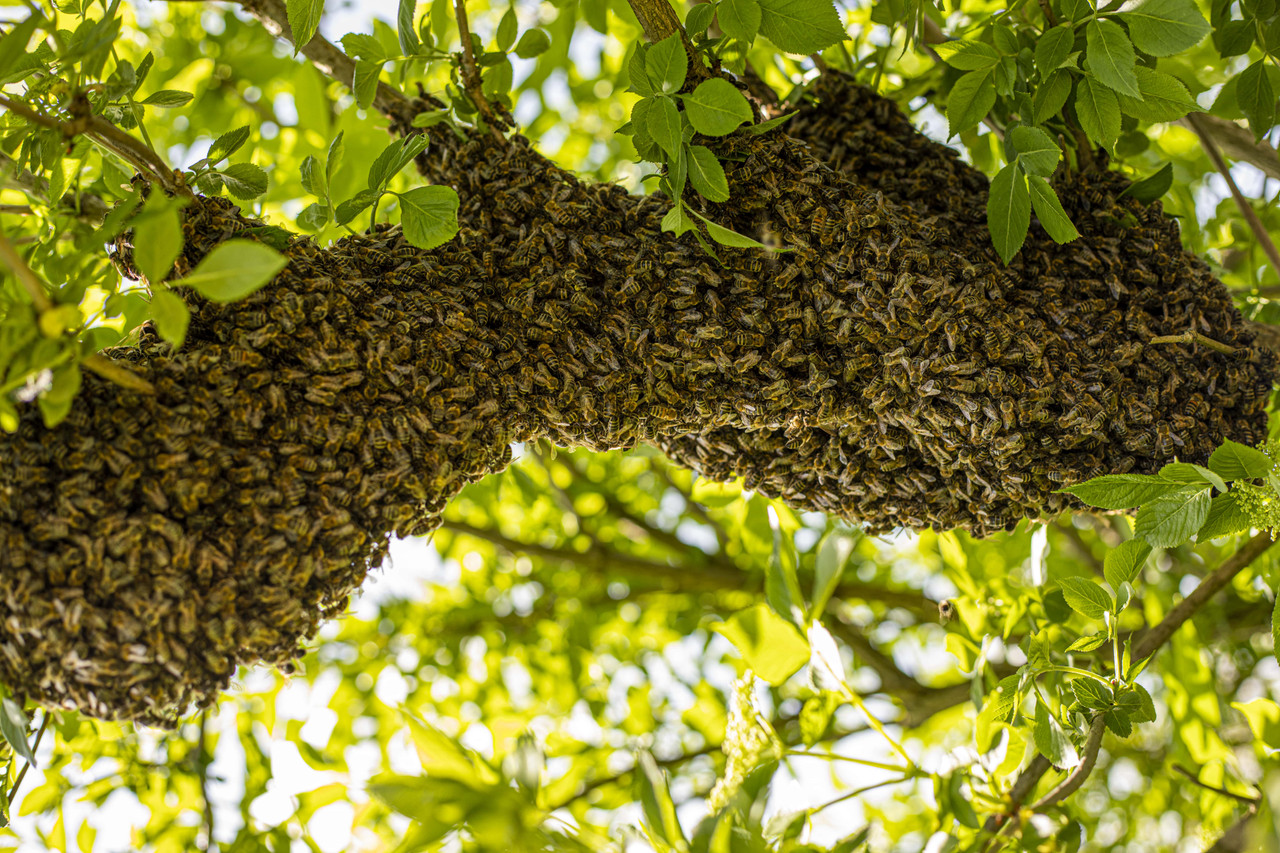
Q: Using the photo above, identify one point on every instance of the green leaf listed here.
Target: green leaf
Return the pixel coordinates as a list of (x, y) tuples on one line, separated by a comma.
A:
[(1173, 518), (1264, 718), (677, 220), (1236, 461), (667, 64), (1092, 693), (1037, 152), (706, 174), (833, 557), (304, 20), (730, 238), (770, 645), (968, 55), (227, 144), (639, 77), (1009, 211), (352, 207), (1186, 472), (13, 47), (314, 217), (1121, 491), (1123, 562), (739, 19), (1086, 597), (167, 99), (171, 316), (14, 725), (766, 126), (334, 158), (364, 83), (1052, 741), (1166, 27), (1137, 702), (244, 180), (157, 238), (443, 757), (1053, 47), (1164, 98), (801, 27), (1151, 188), (698, 19), (664, 125), (1089, 644), (394, 158), (1050, 96), (235, 269), (1049, 211), (312, 176), (971, 98), (1117, 721), (1256, 98), (364, 46), (409, 42), (533, 43), (508, 28), (429, 216), (1225, 518), (716, 108), (1098, 111), (659, 808), (1111, 57)]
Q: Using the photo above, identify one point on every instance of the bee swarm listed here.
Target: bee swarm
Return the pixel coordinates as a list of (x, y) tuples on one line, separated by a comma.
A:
[(887, 369)]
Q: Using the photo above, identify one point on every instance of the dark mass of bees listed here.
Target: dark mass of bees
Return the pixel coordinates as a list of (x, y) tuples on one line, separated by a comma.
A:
[(986, 388), (887, 368)]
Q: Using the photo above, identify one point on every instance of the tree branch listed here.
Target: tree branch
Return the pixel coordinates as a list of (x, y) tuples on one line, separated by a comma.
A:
[(1089, 757), (1246, 209), (1151, 641), (1236, 142)]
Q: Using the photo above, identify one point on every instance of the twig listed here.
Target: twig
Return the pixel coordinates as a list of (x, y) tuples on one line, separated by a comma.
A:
[(623, 775), (711, 577), (1194, 337), (1148, 645), (1195, 780), (470, 73), (1089, 758), (1246, 210), (1235, 838), (112, 371), (87, 206), (106, 134)]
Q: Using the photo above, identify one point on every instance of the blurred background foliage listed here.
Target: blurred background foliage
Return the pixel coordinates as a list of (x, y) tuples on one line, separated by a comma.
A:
[(508, 672)]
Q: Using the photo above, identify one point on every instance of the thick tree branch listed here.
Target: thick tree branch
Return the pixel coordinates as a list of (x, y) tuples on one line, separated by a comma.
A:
[(1236, 142)]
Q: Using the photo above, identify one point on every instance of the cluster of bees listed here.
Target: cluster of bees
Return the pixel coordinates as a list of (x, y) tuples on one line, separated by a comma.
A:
[(984, 388), (885, 368)]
